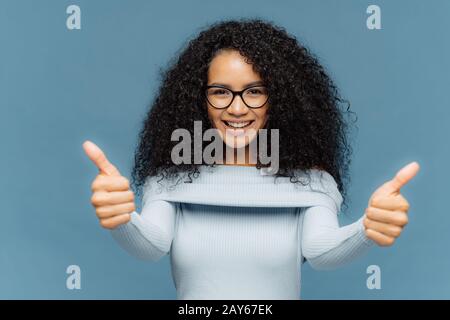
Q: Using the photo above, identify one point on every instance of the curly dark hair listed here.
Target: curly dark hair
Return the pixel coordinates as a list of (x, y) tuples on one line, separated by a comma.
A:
[(304, 103)]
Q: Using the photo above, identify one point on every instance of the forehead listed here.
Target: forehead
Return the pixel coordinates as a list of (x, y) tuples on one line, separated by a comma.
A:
[(230, 68)]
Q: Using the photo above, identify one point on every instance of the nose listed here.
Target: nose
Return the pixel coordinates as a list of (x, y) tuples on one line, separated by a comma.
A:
[(238, 107)]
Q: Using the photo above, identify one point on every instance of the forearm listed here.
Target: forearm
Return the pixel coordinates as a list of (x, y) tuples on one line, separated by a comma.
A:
[(326, 245), (148, 236)]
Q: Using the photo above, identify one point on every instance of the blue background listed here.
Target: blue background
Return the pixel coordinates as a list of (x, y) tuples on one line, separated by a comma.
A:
[(60, 87)]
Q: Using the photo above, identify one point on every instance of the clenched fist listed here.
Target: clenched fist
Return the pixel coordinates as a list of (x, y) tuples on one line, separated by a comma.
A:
[(111, 195), (387, 212)]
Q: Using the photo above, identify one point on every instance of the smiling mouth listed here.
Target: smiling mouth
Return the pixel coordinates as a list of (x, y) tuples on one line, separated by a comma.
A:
[(238, 125)]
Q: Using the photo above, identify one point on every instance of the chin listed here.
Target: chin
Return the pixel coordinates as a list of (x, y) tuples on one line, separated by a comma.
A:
[(237, 142)]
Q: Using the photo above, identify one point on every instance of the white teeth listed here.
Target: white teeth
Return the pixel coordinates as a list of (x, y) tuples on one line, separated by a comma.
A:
[(238, 124)]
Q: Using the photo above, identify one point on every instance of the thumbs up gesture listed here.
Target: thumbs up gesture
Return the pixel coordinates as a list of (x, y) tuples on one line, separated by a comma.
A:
[(386, 214), (112, 198)]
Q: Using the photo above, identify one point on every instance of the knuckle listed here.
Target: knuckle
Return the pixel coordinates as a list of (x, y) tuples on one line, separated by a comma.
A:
[(403, 204), (98, 198), (101, 212), (95, 199), (403, 207), (369, 213), (105, 224), (403, 219), (96, 183), (376, 200), (366, 223), (396, 231), (127, 218), (388, 242), (125, 182)]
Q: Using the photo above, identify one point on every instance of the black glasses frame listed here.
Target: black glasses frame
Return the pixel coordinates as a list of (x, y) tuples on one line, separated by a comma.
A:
[(236, 93)]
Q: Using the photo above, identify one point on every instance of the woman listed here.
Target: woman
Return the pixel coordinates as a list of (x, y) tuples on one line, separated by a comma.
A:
[(233, 232)]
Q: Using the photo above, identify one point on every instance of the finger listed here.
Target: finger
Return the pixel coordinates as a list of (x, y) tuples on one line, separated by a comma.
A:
[(402, 177), (98, 157), (394, 203), (114, 222), (115, 210), (398, 218), (110, 183), (380, 238), (384, 228), (102, 198)]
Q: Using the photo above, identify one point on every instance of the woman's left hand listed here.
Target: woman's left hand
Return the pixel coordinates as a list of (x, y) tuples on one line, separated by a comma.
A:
[(386, 214)]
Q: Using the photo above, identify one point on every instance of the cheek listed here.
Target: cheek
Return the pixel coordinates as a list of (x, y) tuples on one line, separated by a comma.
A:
[(214, 117), (262, 117)]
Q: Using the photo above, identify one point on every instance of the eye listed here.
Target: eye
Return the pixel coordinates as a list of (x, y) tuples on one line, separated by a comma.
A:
[(256, 91), (218, 92)]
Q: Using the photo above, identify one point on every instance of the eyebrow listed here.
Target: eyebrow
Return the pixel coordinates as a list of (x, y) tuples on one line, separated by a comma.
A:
[(254, 83)]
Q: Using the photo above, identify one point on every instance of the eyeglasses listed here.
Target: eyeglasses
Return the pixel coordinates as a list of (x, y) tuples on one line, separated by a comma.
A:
[(220, 97)]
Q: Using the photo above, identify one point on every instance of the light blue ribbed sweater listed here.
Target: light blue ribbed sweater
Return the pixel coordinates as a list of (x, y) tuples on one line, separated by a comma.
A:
[(234, 233)]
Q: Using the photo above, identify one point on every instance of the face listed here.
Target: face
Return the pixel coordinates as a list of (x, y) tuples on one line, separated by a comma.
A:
[(237, 124)]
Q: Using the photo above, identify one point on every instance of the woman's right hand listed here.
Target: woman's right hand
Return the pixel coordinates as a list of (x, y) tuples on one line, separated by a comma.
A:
[(111, 195)]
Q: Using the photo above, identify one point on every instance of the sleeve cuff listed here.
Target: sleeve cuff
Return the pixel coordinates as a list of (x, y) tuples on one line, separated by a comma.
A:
[(362, 232)]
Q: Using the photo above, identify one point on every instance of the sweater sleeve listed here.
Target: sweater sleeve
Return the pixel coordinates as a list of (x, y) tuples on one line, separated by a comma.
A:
[(327, 246), (149, 235)]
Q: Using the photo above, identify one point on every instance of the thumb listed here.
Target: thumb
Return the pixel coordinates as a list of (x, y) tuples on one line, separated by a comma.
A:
[(99, 159), (403, 176)]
